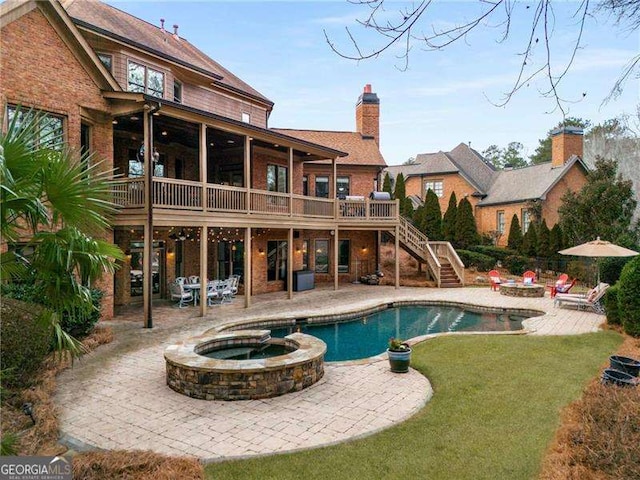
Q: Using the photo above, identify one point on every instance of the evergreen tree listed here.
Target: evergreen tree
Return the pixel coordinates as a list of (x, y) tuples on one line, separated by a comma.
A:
[(530, 241), (432, 216), (466, 230), (544, 240), (401, 195), (555, 239), (515, 234), (419, 218), (543, 151), (386, 184), (449, 219)]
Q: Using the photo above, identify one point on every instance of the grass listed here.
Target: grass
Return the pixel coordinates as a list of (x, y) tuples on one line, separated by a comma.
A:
[(496, 407)]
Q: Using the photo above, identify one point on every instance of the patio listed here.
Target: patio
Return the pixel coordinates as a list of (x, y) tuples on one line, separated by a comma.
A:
[(117, 397)]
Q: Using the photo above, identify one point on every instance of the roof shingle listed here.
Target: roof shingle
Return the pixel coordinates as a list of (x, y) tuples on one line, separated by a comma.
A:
[(361, 150), (110, 19)]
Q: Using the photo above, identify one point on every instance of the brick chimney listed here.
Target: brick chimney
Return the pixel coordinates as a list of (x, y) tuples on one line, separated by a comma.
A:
[(368, 114), (565, 142)]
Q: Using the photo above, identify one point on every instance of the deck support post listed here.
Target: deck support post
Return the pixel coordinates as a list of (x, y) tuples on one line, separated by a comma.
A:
[(335, 259), (147, 253), (247, 267), (397, 253), (204, 243), (290, 264)]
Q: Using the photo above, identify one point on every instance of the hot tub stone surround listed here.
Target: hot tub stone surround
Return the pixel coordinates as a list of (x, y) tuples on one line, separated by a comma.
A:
[(206, 378)]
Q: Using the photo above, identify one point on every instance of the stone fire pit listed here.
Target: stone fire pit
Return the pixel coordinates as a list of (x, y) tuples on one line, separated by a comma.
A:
[(520, 290)]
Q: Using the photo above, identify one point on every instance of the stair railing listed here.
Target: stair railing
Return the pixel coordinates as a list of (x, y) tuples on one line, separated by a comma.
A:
[(446, 250), (419, 243)]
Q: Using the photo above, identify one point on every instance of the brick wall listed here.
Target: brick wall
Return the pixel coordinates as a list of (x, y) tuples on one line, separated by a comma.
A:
[(361, 178), (368, 120), (259, 162), (451, 182), (38, 70)]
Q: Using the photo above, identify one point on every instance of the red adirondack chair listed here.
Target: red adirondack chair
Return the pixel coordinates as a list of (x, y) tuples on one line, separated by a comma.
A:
[(528, 277), (494, 278)]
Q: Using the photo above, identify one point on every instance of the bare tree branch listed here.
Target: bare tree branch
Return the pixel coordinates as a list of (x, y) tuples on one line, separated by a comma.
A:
[(404, 29)]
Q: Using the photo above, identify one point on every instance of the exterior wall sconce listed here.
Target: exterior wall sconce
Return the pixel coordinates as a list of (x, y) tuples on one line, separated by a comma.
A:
[(261, 251)]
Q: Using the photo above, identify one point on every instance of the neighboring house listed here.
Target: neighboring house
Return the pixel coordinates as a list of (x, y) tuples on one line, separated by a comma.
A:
[(497, 195), (137, 94)]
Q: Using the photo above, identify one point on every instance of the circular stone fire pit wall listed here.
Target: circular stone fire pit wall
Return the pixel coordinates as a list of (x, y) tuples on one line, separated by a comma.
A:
[(193, 374)]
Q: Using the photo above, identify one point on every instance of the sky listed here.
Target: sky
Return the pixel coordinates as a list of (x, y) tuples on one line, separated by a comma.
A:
[(445, 97)]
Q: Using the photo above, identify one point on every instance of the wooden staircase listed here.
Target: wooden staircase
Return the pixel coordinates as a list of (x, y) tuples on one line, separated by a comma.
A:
[(443, 263)]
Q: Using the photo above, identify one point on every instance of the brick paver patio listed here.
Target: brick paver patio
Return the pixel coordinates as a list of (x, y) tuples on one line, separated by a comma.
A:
[(116, 398)]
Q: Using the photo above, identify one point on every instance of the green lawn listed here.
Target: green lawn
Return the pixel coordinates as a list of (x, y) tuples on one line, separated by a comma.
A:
[(495, 409)]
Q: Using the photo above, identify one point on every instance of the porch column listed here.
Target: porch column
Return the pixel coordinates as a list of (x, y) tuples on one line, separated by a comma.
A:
[(378, 243), (335, 259), (203, 164), (335, 197), (247, 172), (204, 243), (147, 253), (247, 267), (290, 181), (397, 252), (290, 264)]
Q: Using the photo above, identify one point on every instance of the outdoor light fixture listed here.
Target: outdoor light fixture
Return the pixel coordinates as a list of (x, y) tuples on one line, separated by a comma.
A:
[(27, 409), (261, 251)]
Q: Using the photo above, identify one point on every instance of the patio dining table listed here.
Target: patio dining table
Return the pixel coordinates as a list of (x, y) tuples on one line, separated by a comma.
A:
[(195, 289)]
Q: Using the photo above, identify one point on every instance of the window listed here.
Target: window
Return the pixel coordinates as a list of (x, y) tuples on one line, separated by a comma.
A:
[(107, 60), (526, 220), (342, 187), (50, 132), (246, 117), (276, 260), (305, 255), (177, 91), (322, 256), (85, 144), (435, 185), (277, 178), (500, 222), (145, 80), (344, 247), (322, 187), (305, 185)]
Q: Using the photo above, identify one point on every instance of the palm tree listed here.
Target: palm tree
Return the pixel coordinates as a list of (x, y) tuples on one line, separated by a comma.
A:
[(56, 203)]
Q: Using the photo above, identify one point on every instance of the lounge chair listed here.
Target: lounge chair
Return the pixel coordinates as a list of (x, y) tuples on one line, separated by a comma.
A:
[(179, 293), (590, 300), (494, 278), (564, 288), (528, 278)]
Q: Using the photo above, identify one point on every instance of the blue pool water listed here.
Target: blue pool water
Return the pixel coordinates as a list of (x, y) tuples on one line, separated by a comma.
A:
[(369, 335)]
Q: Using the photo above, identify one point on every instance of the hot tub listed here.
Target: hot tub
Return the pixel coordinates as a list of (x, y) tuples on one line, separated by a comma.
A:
[(191, 370)]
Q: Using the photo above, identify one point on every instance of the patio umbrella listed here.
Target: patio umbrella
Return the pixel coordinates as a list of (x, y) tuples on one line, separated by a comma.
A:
[(598, 248)]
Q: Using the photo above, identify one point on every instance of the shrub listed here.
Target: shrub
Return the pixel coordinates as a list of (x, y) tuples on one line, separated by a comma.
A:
[(611, 268), (26, 338), (580, 270), (629, 297), (498, 253), (482, 262), (611, 306), (78, 325), (517, 264)]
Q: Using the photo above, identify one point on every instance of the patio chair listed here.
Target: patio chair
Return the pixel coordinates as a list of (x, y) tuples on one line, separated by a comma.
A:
[(224, 291), (590, 300), (179, 293), (494, 278), (562, 288), (234, 280), (212, 294), (181, 280), (528, 278), (194, 279)]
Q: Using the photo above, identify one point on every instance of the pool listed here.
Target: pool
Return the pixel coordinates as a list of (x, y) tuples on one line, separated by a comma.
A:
[(368, 335)]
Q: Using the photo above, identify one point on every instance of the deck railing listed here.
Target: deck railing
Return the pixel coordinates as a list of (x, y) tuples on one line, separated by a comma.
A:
[(188, 195)]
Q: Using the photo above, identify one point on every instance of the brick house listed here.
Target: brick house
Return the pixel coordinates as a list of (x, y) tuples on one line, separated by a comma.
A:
[(268, 201), (496, 195)]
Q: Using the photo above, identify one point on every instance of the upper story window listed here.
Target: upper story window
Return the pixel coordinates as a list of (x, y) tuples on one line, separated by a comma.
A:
[(145, 80), (322, 187), (500, 225), (435, 185), (177, 91), (49, 132), (277, 177), (246, 117), (107, 61), (342, 187), (526, 221)]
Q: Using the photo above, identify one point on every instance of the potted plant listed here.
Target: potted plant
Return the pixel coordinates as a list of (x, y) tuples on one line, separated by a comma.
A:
[(399, 354)]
